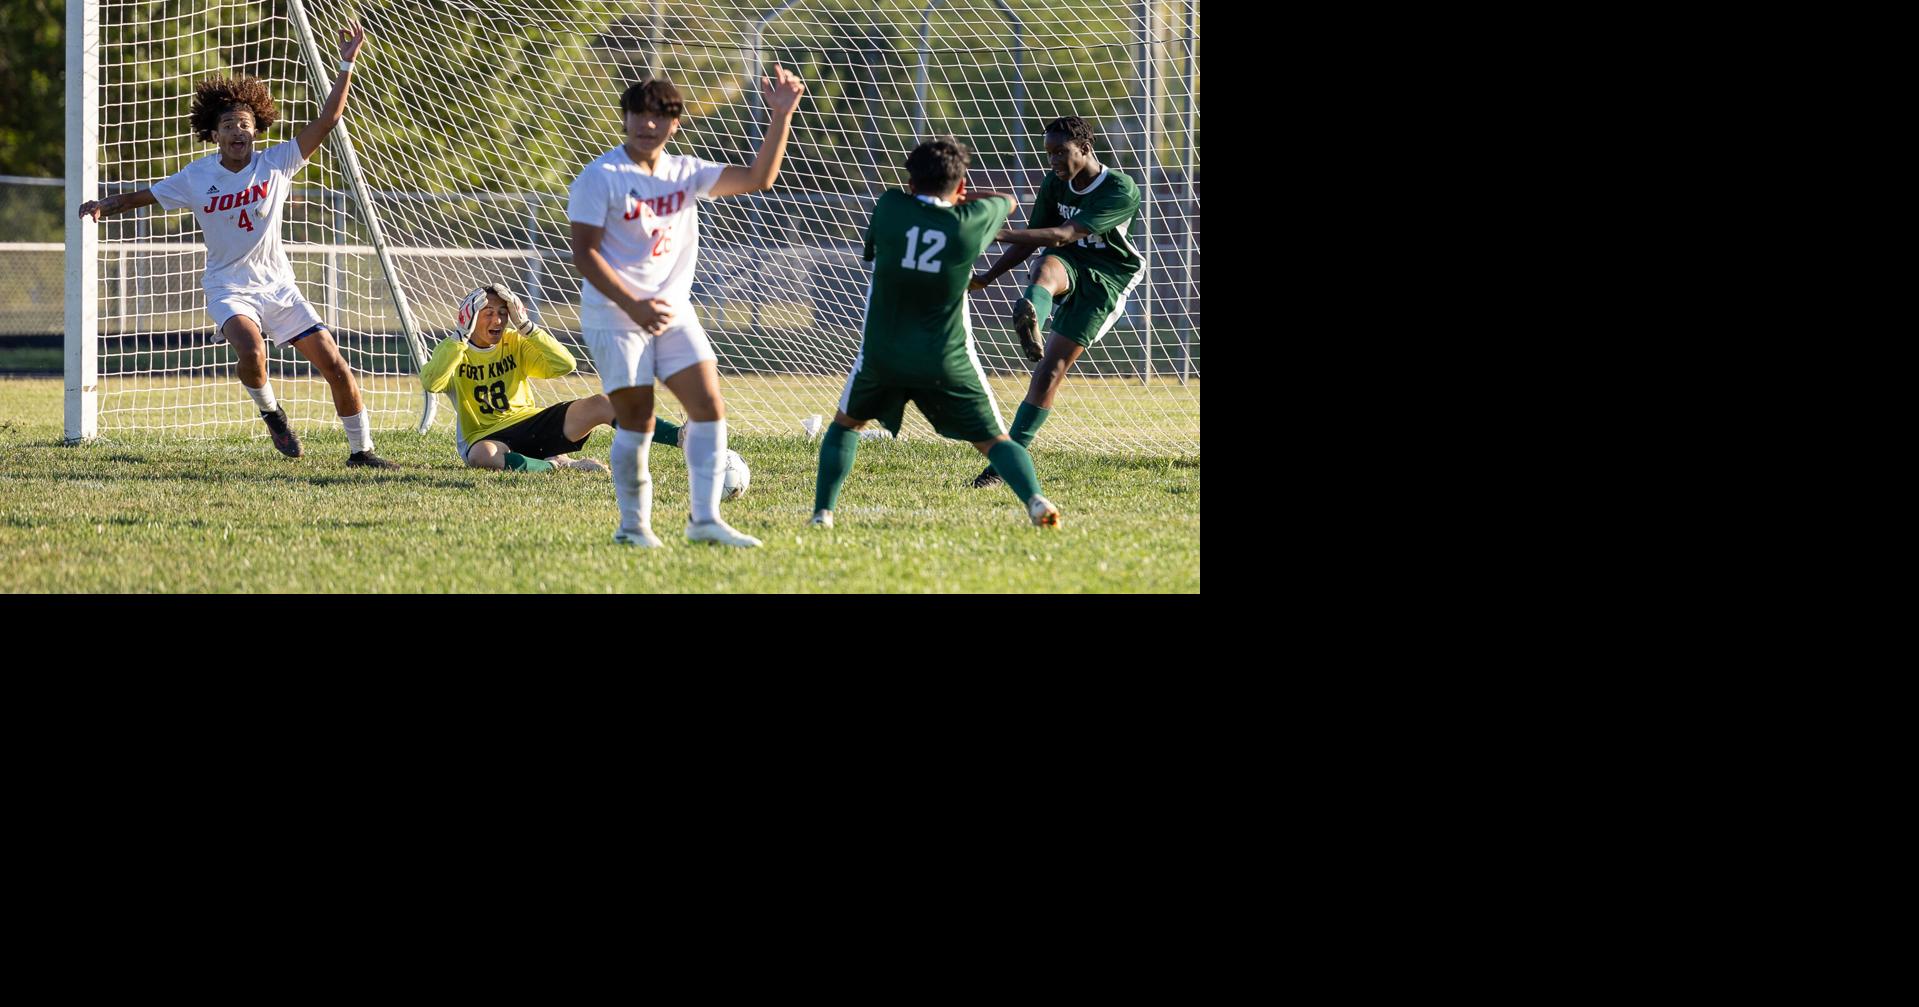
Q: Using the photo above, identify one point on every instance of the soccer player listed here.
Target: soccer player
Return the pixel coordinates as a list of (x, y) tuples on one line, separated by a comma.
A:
[(635, 222), (1081, 218), (236, 195), (916, 343), (488, 370)]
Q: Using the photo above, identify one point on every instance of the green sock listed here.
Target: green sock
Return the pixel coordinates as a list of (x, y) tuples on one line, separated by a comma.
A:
[(1042, 299), (838, 445), (1016, 467), (521, 463), (1026, 423), (665, 431)]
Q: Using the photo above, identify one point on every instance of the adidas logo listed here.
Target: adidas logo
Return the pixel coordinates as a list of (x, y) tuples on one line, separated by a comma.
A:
[(213, 188)]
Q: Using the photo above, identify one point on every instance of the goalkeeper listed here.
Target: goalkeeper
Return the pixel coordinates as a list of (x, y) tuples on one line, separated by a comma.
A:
[(486, 371)]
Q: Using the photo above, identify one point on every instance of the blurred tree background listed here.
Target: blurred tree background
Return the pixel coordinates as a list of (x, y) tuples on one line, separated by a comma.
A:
[(32, 58)]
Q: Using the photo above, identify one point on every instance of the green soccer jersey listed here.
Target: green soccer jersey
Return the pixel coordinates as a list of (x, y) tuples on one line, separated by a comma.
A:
[(1107, 207), (923, 253)]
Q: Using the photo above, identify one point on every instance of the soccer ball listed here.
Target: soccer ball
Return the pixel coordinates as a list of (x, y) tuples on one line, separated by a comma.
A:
[(734, 479)]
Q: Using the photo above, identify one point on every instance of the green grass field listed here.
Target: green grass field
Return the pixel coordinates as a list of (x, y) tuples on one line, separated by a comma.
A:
[(229, 514), (1159, 419)]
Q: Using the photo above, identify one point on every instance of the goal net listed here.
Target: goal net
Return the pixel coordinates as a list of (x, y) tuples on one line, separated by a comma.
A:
[(468, 120)]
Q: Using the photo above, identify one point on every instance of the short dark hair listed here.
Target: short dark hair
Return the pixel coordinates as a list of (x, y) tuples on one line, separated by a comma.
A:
[(937, 165), (656, 95), (1073, 128), (216, 96)]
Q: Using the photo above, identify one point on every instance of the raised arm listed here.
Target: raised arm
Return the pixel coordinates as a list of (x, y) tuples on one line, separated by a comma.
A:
[(101, 209), (1026, 241), (548, 359), (969, 195), (316, 131), (1013, 257), (782, 96)]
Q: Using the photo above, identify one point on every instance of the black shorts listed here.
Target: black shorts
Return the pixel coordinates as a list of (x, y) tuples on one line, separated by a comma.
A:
[(542, 435)]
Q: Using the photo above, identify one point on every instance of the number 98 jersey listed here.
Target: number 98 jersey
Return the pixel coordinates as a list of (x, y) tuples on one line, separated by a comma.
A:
[(490, 387)]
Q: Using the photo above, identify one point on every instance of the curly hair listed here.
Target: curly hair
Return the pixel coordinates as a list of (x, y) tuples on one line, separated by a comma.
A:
[(937, 165), (1073, 128), (658, 96), (216, 96)]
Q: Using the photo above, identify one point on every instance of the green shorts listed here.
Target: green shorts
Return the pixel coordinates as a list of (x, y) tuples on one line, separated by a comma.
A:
[(957, 403), (1093, 301)]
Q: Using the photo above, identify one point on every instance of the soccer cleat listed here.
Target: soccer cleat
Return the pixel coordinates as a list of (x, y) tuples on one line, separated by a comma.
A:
[(586, 465), (368, 460), (720, 532), (642, 537), (987, 480), (1026, 324), (1043, 513), (283, 436), (822, 519)]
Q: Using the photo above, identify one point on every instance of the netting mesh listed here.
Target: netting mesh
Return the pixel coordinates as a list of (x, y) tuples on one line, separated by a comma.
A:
[(470, 118)]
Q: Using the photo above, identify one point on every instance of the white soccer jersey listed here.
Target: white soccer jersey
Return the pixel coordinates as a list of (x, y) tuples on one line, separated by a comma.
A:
[(239, 216), (652, 227)]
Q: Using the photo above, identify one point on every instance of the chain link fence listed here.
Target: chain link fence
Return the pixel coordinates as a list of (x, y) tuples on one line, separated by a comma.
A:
[(32, 264)]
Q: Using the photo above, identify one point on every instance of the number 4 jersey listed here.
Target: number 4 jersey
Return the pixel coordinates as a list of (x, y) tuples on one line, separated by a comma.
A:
[(239, 216), (490, 387), (923, 252)]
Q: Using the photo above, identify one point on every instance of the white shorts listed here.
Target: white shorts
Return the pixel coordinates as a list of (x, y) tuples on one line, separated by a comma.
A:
[(630, 358), (281, 313)]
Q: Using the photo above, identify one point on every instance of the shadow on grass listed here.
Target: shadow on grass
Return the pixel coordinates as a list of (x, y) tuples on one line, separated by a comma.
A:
[(416, 479), (146, 521)]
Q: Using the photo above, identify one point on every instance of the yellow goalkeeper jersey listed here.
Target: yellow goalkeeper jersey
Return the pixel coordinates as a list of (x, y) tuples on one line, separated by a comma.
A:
[(490, 387)]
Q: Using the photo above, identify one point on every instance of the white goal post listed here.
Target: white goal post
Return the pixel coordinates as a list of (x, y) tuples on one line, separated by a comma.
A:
[(468, 119)]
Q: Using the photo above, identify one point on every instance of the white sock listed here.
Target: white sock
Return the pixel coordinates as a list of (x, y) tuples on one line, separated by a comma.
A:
[(633, 478), (705, 445), (263, 397), (358, 437)]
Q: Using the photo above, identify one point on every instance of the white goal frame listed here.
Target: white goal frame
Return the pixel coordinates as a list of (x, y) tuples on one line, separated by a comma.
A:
[(935, 59)]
